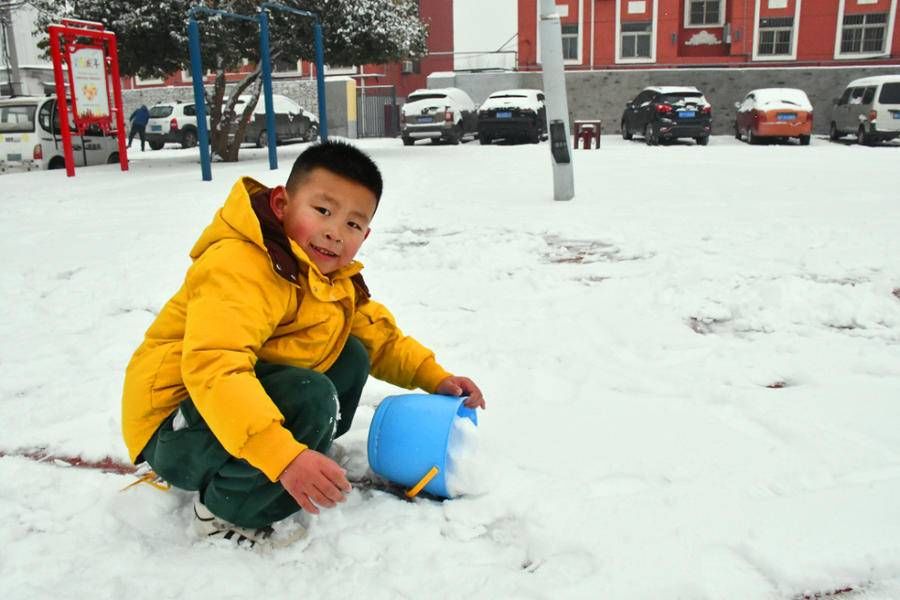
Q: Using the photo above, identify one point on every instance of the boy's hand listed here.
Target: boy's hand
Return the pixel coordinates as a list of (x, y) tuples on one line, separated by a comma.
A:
[(314, 479), (462, 386)]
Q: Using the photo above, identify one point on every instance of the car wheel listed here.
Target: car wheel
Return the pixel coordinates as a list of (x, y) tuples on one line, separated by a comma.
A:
[(703, 140), (189, 139), (312, 133), (804, 140), (737, 132), (484, 139), (650, 135), (57, 162), (262, 140), (455, 135), (833, 133), (113, 158), (408, 141), (861, 138), (626, 133), (156, 145), (751, 138)]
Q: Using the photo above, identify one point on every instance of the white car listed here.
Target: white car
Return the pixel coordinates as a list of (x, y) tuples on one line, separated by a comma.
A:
[(30, 138), (172, 122), (446, 114)]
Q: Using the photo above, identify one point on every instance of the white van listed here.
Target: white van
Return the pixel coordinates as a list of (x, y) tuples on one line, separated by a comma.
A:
[(28, 143), (869, 109)]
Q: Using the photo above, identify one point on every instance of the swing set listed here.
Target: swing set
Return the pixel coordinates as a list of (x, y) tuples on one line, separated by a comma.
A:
[(262, 17)]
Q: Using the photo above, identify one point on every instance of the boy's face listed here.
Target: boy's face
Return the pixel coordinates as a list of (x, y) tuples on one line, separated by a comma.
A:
[(327, 215)]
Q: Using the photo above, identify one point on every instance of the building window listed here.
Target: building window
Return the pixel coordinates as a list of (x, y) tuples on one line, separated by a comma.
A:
[(775, 36), (704, 12), (570, 42), (863, 33), (636, 40)]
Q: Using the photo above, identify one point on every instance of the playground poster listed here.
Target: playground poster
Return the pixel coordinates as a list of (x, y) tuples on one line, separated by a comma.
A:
[(89, 83)]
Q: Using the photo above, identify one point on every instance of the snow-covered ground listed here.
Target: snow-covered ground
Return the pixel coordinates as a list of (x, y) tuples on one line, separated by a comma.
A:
[(692, 374)]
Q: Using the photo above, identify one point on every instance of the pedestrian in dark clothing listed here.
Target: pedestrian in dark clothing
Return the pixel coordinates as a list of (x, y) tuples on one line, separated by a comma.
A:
[(139, 119)]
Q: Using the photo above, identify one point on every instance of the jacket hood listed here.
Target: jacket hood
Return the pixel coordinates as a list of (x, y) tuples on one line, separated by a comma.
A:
[(247, 216)]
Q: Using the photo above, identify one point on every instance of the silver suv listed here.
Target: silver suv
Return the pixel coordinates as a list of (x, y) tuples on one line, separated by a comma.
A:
[(869, 109), (172, 122), (445, 114)]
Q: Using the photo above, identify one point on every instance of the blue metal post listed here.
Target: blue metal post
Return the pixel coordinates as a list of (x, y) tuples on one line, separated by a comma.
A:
[(271, 133), (199, 98), (320, 81)]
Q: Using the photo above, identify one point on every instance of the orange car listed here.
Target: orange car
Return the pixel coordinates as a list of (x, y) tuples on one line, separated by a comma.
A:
[(774, 113)]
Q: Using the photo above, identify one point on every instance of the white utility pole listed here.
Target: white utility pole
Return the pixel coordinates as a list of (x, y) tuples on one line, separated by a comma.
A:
[(10, 54), (556, 103)]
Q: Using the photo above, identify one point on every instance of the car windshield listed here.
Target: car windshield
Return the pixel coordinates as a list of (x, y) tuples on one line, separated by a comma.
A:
[(17, 118), (890, 93), (160, 111), (417, 97), (681, 97)]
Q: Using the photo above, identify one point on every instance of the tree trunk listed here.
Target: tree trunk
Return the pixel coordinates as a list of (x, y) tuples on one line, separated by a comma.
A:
[(227, 127)]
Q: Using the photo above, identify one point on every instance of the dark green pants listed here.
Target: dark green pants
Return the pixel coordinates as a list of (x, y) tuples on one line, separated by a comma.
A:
[(191, 458)]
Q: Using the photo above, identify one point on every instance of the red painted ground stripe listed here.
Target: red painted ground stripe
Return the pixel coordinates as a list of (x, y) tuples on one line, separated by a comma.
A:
[(105, 464)]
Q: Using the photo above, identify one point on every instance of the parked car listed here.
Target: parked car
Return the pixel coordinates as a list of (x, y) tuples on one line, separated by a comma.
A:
[(446, 114), (172, 122), (869, 108), (774, 113), (667, 113), (292, 121), (30, 138), (512, 114)]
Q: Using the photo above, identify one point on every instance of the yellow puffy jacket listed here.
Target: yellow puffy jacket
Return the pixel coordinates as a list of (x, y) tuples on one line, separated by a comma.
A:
[(251, 293)]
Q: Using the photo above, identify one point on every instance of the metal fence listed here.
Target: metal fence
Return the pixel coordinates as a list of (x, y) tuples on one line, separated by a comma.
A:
[(377, 111)]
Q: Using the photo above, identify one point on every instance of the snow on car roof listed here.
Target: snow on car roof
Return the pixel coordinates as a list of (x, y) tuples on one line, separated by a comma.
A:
[(875, 80), (673, 89), (521, 98), (782, 96), (455, 93), (519, 91), (21, 99)]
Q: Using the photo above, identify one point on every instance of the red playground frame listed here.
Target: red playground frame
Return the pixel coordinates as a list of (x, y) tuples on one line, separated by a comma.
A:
[(67, 40)]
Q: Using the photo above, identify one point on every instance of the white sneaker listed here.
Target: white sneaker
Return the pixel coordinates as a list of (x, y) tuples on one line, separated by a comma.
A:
[(208, 525)]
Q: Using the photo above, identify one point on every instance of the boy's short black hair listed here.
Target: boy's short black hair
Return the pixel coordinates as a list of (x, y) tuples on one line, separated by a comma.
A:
[(341, 159)]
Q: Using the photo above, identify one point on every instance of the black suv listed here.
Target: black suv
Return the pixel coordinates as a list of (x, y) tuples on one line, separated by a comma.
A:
[(668, 113), (513, 114)]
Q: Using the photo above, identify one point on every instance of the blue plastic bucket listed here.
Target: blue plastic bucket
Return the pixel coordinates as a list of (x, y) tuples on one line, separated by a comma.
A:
[(409, 435)]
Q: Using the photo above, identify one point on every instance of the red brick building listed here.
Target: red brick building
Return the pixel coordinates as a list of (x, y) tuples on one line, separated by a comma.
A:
[(661, 33)]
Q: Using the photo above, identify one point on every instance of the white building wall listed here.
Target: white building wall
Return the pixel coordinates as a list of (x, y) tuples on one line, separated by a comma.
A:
[(480, 28)]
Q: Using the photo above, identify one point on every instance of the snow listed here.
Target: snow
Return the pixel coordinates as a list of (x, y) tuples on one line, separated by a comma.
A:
[(781, 98), (516, 98), (466, 474), (691, 372), (703, 38)]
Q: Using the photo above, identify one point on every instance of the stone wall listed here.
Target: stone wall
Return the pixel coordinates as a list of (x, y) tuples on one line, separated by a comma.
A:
[(603, 94)]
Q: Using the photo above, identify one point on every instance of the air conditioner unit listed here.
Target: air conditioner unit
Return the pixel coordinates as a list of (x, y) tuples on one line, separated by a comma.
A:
[(407, 66)]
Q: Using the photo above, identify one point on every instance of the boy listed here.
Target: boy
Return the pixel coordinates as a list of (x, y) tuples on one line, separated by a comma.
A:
[(259, 360)]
